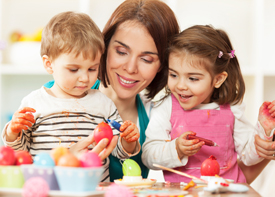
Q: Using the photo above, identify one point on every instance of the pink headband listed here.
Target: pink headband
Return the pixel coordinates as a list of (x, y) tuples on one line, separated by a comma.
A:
[(231, 54)]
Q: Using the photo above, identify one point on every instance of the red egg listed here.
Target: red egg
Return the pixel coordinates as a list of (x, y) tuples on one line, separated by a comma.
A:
[(210, 167), (7, 156), (90, 159), (23, 157), (103, 130)]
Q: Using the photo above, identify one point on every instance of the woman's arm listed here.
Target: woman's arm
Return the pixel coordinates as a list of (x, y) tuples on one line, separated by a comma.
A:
[(252, 172)]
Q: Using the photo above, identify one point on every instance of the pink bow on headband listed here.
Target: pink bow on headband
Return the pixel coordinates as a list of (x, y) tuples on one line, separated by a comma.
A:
[(231, 54)]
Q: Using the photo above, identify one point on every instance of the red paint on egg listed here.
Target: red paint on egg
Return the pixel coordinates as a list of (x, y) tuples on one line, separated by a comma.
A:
[(103, 130), (210, 167)]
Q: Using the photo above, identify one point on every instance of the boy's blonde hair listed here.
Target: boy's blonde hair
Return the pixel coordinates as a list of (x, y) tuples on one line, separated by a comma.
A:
[(71, 32)]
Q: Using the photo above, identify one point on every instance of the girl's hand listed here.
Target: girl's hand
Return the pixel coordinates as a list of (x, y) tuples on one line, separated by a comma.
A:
[(22, 120), (267, 116), (187, 147), (265, 149), (130, 131)]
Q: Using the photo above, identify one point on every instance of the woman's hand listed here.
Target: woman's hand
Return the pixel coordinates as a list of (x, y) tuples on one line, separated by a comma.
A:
[(267, 116), (101, 148), (187, 147), (264, 148)]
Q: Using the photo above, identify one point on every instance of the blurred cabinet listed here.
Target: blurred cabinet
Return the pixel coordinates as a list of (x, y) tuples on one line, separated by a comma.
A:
[(249, 24)]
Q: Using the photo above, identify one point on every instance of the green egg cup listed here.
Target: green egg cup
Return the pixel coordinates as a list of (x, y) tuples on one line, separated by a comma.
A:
[(11, 177)]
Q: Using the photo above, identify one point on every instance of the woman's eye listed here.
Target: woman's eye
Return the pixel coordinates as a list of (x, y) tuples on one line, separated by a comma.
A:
[(73, 70), (120, 52), (146, 60)]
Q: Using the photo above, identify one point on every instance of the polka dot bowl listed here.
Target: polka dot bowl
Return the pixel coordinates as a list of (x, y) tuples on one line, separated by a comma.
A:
[(47, 173), (11, 177), (72, 179)]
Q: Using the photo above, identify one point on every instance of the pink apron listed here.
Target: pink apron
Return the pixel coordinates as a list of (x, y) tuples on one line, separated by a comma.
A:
[(215, 125)]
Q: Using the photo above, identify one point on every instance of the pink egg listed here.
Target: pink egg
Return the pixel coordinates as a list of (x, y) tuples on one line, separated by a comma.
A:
[(90, 159)]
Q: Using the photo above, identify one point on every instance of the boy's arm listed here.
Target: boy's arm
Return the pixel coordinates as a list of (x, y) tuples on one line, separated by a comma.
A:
[(121, 151)]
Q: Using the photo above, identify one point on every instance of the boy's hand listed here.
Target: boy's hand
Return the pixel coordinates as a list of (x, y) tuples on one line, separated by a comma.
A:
[(130, 131), (267, 116), (21, 120), (187, 147)]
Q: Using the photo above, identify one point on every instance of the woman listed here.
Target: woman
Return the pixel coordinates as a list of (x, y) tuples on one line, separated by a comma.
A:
[(136, 37)]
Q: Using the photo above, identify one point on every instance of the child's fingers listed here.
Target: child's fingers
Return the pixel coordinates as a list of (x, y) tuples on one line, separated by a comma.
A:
[(17, 128), (134, 138), (124, 125), (130, 128), (27, 109)]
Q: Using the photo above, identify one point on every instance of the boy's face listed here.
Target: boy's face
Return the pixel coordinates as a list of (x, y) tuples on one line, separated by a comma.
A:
[(73, 76)]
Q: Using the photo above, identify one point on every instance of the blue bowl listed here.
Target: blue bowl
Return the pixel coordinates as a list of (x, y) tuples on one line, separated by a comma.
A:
[(78, 179)]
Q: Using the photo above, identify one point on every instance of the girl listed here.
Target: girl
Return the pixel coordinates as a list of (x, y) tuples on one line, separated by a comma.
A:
[(207, 90)]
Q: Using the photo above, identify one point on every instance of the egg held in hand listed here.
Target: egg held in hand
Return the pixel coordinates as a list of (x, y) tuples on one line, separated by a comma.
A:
[(210, 167), (103, 130), (131, 171)]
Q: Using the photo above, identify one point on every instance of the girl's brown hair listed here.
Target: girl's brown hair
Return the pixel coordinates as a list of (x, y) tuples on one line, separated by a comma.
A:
[(206, 43), (71, 32), (160, 22)]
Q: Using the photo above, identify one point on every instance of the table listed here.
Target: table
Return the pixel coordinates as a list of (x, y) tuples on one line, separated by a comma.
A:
[(196, 191)]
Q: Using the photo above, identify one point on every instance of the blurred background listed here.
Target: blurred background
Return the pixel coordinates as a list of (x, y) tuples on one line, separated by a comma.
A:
[(249, 23)]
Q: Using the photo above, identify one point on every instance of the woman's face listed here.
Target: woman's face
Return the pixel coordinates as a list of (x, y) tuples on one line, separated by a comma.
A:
[(132, 60)]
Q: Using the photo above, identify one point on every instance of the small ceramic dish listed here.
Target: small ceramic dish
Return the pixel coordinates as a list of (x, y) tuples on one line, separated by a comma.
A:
[(143, 183)]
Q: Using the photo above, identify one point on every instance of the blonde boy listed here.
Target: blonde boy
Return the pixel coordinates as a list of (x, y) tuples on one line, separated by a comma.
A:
[(71, 49)]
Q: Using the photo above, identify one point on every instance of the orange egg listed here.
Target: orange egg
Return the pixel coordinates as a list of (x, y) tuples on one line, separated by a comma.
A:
[(68, 160), (58, 152)]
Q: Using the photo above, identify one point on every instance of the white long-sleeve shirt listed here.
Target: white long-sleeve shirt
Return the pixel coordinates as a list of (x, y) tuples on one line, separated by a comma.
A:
[(63, 122), (160, 149)]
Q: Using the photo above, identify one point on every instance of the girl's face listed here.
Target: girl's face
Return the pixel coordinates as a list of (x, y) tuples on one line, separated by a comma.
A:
[(73, 76), (191, 85), (132, 60)]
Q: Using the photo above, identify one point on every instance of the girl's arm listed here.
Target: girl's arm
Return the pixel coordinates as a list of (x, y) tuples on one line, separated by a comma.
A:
[(158, 147)]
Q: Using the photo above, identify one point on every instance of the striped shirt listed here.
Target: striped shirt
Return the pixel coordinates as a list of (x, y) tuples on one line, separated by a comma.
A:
[(63, 122)]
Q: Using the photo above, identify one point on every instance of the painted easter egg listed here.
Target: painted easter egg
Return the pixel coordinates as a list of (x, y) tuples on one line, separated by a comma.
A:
[(43, 159), (68, 160), (103, 130), (90, 159), (58, 152), (7, 156), (131, 168), (210, 167), (23, 157)]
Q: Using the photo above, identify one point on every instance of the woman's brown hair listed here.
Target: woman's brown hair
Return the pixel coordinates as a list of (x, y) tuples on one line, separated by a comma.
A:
[(206, 43), (161, 23)]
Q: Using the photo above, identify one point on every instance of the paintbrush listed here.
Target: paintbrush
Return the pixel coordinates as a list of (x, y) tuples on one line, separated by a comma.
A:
[(180, 173)]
